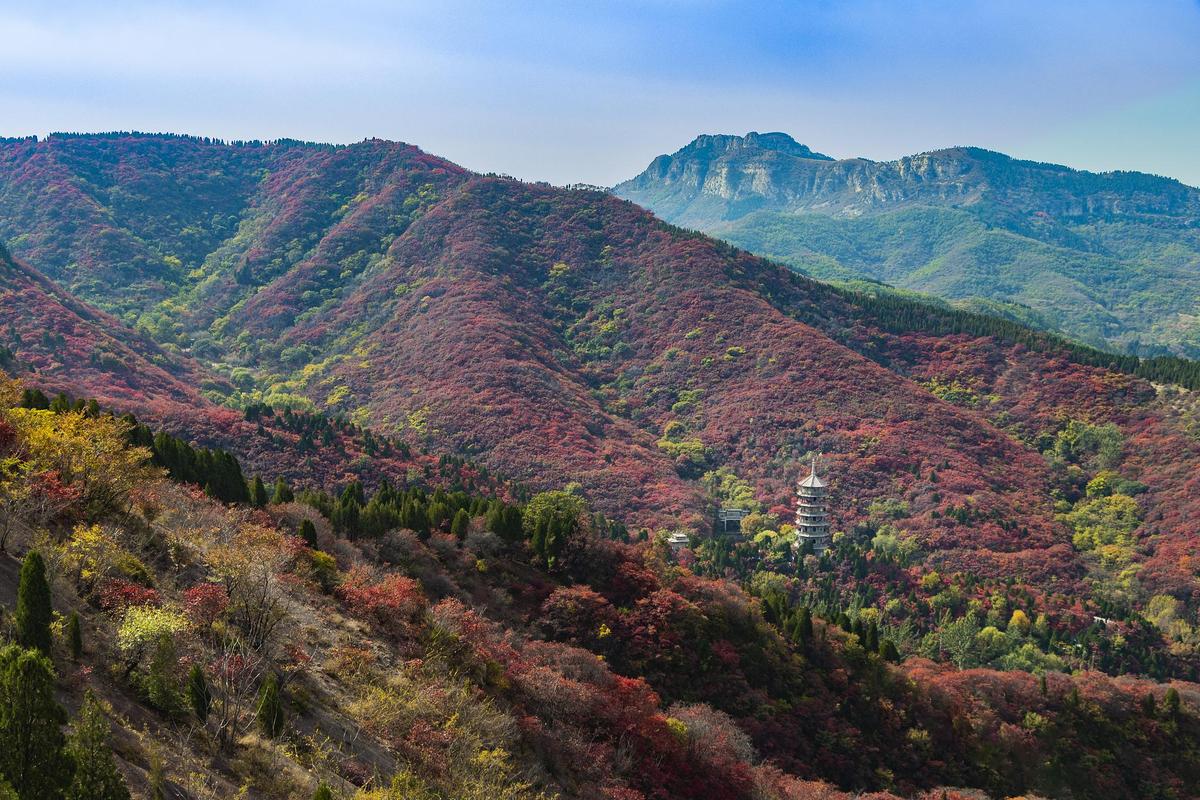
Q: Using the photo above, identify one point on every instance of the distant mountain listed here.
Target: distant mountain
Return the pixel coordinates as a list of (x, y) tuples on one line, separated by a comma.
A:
[(1110, 259)]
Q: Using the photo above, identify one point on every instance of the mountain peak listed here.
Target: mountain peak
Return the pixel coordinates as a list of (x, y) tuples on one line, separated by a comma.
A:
[(723, 143)]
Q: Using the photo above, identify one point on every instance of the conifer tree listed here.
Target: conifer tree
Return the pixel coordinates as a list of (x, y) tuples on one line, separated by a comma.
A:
[(282, 493), (887, 649), (31, 740), (1171, 702), (805, 622), (323, 792), (270, 709), (258, 492), (461, 524), (74, 636), (34, 612), (96, 776), (199, 696), (308, 532), (872, 638)]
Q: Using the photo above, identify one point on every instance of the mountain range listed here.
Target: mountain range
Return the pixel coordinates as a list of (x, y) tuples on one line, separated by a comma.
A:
[(1112, 259), (370, 319)]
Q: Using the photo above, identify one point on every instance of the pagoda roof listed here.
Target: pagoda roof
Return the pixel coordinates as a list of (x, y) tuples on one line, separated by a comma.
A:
[(812, 481)]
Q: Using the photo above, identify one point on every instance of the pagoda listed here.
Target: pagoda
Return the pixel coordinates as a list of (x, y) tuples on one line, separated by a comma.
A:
[(812, 511)]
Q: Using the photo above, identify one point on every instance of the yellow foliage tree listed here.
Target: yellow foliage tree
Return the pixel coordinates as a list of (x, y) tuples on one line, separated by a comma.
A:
[(91, 455)]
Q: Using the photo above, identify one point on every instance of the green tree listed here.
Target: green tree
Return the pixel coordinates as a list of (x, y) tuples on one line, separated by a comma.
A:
[(34, 611), (504, 521), (1171, 702), (31, 741), (199, 696), (308, 532), (96, 776), (6, 791), (323, 792), (461, 524), (887, 649), (74, 636), (270, 708), (258, 492), (550, 520), (282, 493), (161, 683)]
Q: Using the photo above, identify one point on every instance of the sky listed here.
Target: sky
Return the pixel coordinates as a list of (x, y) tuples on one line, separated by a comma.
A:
[(591, 91)]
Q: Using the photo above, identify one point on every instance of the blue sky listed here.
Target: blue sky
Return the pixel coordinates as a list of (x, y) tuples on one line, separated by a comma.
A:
[(591, 91)]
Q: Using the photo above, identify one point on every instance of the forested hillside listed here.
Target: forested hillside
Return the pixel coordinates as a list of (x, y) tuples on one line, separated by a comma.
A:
[(1110, 259), (281, 646), (493, 401)]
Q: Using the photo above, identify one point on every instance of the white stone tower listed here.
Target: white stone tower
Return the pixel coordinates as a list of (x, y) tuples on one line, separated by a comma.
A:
[(812, 511)]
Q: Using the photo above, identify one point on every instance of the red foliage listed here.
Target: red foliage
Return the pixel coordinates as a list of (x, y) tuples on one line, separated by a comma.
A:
[(390, 602), (116, 594), (204, 603)]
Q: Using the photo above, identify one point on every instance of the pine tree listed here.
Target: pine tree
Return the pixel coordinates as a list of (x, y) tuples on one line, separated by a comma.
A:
[(323, 792), (461, 524), (31, 740), (872, 640), (805, 622), (887, 649), (34, 611), (270, 709), (74, 636), (308, 532), (96, 776), (258, 492), (1171, 702), (199, 696), (282, 493)]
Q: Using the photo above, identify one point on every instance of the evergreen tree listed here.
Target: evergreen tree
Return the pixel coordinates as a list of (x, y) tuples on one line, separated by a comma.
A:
[(96, 776), (805, 622), (504, 521), (199, 696), (308, 532), (270, 708), (74, 636), (258, 492), (31, 740), (282, 493), (887, 649), (6, 791), (34, 611), (461, 524), (550, 520), (1171, 702), (872, 638), (323, 792)]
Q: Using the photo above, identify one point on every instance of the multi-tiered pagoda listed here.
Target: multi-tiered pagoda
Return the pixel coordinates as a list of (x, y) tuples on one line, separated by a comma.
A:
[(812, 512)]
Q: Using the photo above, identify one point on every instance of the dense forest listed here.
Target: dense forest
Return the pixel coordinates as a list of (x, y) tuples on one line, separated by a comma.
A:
[(417, 641)]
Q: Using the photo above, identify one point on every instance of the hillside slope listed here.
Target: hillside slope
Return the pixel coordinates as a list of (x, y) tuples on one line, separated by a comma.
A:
[(560, 336), (1110, 259), (438, 664)]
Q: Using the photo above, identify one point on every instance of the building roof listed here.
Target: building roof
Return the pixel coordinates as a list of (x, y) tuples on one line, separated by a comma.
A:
[(812, 481)]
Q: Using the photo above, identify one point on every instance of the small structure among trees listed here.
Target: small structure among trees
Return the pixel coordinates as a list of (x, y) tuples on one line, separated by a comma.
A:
[(812, 512), (729, 520)]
